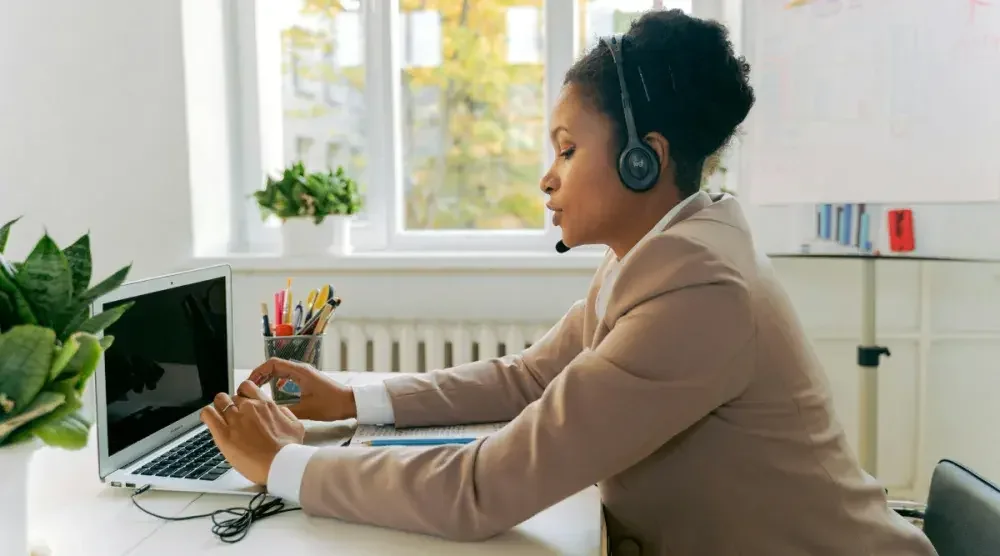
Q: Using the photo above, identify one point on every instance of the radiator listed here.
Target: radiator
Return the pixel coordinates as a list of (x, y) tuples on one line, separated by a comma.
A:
[(413, 346)]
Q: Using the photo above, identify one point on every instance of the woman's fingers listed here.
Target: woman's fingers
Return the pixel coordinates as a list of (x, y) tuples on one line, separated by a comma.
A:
[(279, 368), (249, 390)]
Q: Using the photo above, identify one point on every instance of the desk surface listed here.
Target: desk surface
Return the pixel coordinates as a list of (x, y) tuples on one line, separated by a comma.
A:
[(75, 514)]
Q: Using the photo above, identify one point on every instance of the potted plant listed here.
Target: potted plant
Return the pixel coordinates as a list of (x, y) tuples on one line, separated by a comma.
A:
[(315, 208), (49, 347)]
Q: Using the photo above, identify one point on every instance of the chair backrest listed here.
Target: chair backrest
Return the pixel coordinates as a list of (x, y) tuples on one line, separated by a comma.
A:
[(963, 512)]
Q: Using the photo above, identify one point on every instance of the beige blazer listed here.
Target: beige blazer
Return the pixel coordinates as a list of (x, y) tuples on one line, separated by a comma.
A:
[(696, 404)]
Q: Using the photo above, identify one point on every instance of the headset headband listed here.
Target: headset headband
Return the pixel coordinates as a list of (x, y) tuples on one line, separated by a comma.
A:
[(614, 45)]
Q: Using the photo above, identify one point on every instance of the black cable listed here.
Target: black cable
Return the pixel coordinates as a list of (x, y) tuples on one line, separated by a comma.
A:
[(233, 529)]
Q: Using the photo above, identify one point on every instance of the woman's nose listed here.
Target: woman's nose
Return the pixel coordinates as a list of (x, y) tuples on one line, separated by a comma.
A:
[(548, 183)]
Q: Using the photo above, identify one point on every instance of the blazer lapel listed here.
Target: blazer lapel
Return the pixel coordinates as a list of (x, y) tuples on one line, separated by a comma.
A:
[(590, 321), (597, 328)]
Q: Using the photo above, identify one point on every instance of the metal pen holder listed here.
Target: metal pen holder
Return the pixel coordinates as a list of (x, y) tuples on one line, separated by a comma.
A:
[(303, 349)]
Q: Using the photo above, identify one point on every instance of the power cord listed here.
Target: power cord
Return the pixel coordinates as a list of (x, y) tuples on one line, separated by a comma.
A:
[(231, 529)]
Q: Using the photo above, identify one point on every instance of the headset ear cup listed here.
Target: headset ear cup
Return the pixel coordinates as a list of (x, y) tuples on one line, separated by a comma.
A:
[(638, 167)]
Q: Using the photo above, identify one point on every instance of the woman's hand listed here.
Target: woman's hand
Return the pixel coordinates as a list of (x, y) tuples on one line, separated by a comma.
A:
[(322, 398), (250, 430)]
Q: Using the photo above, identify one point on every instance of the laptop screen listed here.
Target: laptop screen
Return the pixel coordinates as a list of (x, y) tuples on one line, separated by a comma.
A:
[(169, 358)]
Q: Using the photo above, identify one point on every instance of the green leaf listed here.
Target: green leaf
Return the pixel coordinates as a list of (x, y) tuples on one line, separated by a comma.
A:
[(5, 232), (46, 281), (106, 341), (25, 315), (84, 361), (107, 285), (25, 360), (97, 323), (19, 436), (73, 323), (62, 357), (79, 259), (68, 430), (44, 403), (8, 317)]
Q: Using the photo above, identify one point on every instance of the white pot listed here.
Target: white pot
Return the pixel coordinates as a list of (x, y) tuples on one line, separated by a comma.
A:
[(301, 237), (341, 234), (14, 462)]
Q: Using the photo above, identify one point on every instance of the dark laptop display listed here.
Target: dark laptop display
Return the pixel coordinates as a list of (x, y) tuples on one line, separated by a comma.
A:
[(168, 360)]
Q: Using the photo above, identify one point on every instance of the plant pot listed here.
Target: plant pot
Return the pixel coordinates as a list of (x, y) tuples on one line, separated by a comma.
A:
[(341, 225), (14, 466), (301, 237)]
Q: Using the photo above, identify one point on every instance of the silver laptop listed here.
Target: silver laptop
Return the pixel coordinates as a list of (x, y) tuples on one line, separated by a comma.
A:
[(172, 353)]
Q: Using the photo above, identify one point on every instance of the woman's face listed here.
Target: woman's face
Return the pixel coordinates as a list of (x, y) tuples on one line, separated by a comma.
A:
[(585, 193)]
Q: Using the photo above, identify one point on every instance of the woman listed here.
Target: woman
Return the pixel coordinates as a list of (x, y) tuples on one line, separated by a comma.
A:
[(682, 384)]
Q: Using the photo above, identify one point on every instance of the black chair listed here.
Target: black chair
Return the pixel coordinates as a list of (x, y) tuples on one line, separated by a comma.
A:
[(962, 514)]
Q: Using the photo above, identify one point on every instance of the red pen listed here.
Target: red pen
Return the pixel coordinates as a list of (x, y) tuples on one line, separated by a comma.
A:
[(277, 308)]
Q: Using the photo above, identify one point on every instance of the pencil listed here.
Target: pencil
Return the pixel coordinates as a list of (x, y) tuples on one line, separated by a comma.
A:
[(418, 441)]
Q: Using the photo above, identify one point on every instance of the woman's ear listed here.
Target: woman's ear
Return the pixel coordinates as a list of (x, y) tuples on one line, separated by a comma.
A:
[(661, 147)]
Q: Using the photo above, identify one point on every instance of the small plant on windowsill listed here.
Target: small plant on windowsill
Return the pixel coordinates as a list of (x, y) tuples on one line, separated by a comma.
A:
[(49, 347), (315, 209)]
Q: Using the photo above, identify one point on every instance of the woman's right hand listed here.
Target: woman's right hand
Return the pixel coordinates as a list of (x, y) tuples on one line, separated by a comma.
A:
[(322, 398)]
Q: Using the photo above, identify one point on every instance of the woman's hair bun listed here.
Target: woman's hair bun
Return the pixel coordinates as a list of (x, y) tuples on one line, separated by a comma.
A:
[(698, 89), (710, 83)]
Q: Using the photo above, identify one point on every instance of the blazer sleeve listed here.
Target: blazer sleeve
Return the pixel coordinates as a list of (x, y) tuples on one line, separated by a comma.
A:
[(665, 365), (490, 390)]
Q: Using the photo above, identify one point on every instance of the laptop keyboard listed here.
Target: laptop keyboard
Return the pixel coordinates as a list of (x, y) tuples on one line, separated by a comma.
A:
[(196, 458)]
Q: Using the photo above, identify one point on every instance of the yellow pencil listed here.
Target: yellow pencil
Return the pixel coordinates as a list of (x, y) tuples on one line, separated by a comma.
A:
[(288, 302)]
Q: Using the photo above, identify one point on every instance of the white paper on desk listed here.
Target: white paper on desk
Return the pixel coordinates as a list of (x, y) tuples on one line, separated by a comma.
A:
[(365, 433)]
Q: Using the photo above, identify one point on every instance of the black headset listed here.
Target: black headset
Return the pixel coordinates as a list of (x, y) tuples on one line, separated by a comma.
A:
[(638, 165)]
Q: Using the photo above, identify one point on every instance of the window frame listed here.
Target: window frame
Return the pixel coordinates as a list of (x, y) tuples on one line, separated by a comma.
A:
[(257, 56)]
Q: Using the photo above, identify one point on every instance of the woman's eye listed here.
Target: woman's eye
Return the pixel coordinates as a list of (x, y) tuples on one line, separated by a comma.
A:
[(568, 153)]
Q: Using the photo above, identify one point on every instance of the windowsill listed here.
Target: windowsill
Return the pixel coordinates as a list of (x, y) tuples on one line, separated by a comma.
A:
[(411, 261)]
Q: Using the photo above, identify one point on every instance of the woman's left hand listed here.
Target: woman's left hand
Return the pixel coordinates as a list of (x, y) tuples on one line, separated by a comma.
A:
[(250, 429)]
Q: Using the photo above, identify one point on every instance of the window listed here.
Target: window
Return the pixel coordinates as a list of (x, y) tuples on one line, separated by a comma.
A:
[(449, 98), (459, 170), (608, 17), (323, 100)]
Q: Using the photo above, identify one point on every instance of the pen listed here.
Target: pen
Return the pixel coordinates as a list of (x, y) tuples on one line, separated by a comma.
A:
[(417, 441), (311, 323), (277, 308), (317, 323), (297, 318), (264, 320), (324, 318)]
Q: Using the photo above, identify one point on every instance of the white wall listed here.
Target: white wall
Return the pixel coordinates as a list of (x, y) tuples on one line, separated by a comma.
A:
[(93, 135), (92, 129)]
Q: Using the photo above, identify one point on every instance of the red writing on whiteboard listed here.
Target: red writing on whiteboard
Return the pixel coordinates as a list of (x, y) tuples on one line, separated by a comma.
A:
[(973, 5)]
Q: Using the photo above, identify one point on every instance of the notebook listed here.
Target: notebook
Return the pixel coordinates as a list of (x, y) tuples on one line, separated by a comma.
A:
[(367, 433)]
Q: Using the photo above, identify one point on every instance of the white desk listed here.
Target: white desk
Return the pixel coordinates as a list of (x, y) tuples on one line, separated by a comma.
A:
[(76, 515)]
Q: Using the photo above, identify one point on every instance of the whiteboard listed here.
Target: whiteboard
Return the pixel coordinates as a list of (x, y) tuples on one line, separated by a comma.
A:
[(876, 101)]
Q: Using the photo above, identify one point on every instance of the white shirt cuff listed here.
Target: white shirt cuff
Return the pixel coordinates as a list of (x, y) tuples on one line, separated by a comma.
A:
[(284, 479), (373, 404)]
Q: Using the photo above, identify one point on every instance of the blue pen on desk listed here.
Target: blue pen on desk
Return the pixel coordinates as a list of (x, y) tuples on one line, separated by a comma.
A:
[(418, 441)]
